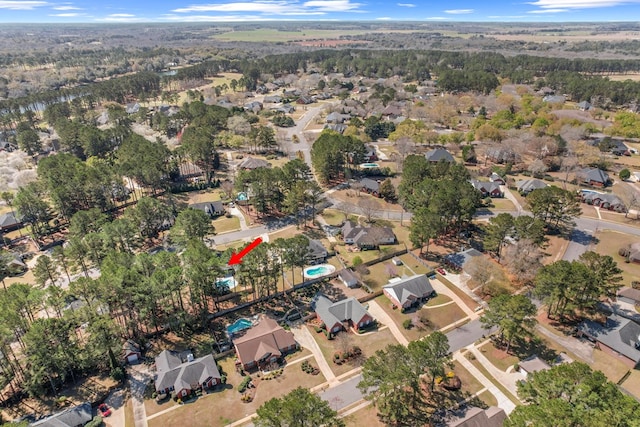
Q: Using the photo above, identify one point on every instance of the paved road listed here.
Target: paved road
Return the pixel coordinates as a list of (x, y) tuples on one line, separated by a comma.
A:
[(240, 235), (304, 146), (582, 235)]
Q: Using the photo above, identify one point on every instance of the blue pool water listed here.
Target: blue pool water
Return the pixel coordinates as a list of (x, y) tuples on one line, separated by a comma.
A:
[(318, 270), (227, 282), (239, 325), (369, 165)]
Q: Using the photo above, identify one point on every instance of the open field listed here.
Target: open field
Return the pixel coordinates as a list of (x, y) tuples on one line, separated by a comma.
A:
[(273, 35)]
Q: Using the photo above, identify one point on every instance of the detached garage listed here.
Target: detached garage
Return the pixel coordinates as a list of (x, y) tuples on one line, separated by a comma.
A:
[(131, 352)]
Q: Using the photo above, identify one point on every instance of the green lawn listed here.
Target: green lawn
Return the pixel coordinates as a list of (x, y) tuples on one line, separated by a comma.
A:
[(459, 292), (488, 398), (469, 383), (438, 300), (333, 216), (495, 382)]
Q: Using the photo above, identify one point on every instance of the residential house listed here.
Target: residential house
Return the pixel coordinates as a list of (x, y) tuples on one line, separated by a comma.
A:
[(631, 253), (496, 178), (285, 108), (459, 259), (253, 106), (439, 155), (594, 177), (263, 344), (341, 315), (183, 377), (584, 106), (272, 99), (409, 291), (502, 155), (224, 103), (477, 417), (618, 336), (336, 127), (212, 209), (336, 117), (526, 186), (132, 108), (131, 351), (546, 90), (554, 99), (629, 295), (370, 155), (532, 365), (391, 112), (72, 417), (604, 201), (370, 186), (9, 222), (615, 146), (291, 93), (316, 252), (367, 237), (251, 163), (487, 189), (305, 100), (347, 277)]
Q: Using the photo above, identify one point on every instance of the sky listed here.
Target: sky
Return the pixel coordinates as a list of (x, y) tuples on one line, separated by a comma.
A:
[(123, 11)]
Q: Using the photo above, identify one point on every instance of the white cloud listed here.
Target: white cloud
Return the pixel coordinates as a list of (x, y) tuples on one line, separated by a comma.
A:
[(122, 17), (506, 16), (66, 15), (277, 7), (384, 18), (406, 5), (437, 18), (218, 18), (459, 11), (66, 7), (21, 5), (548, 11), (579, 4)]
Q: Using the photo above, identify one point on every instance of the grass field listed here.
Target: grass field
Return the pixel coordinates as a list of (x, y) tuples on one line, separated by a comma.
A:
[(224, 224), (488, 398), (367, 416)]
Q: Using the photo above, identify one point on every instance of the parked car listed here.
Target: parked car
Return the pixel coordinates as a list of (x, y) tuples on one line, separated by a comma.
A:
[(441, 271), (104, 410)]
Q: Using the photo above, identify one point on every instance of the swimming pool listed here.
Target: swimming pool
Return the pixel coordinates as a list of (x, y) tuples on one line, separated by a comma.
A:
[(318, 271), (369, 165), (239, 325), (226, 282)]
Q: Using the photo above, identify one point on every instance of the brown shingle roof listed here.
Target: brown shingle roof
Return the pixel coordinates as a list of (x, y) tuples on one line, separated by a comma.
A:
[(266, 337)]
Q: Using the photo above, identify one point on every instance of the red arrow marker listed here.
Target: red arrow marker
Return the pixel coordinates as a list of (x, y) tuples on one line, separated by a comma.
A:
[(237, 258)]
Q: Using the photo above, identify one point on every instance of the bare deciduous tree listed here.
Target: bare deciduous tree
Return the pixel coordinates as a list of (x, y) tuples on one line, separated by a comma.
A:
[(523, 259), (369, 206), (481, 270)]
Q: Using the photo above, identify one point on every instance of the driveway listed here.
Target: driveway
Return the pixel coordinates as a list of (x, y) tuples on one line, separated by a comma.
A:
[(378, 313), (139, 376), (306, 340), (116, 401), (580, 348)]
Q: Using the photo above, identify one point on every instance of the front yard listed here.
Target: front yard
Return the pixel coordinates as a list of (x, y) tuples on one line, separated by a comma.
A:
[(369, 343), (224, 406), (433, 317), (223, 224)]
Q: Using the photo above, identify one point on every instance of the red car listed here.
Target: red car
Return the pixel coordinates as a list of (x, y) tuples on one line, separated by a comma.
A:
[(104, 410), (441, 271)]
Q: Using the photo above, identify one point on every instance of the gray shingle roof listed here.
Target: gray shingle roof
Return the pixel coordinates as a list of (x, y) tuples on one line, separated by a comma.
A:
[(528, 185), (460, 259), (9, 219), (410, 288), (337, 312), (438, 154), (316, 249), (253, 163), (172, 372), (618, 333), (72, 417), (594, 174)]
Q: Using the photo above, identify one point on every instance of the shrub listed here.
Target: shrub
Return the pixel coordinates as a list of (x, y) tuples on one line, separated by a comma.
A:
[(357, 261), (244, 384), (406, 324), (95, 422)]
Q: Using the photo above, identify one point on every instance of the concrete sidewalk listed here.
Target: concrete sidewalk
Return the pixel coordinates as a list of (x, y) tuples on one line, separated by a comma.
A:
[(503, 401), (379, 314)]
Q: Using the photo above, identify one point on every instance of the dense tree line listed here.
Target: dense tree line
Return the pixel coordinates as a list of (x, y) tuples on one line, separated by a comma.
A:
[(334, 155)]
